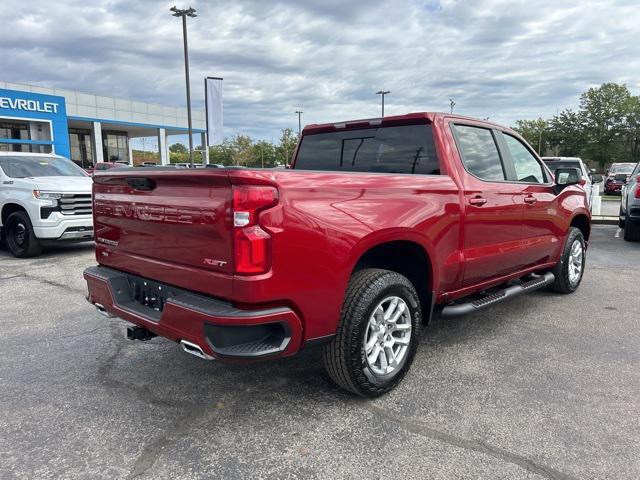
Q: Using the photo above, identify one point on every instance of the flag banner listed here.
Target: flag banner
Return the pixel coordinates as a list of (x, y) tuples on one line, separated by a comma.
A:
[(213, 105)]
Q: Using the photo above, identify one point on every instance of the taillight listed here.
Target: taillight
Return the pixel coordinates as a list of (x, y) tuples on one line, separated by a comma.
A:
[(252, 245), (637, 192)]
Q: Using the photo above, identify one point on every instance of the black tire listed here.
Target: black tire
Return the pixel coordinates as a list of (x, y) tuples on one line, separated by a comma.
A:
[(621, 222), (345, 358), (632, 231), (19, 236), (563, 283)]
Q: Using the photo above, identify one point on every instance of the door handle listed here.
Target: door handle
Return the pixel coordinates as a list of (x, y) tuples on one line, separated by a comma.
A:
[(477, 201), (530, 200)]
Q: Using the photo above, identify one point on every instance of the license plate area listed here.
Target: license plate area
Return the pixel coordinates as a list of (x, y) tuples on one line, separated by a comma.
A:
[(147, 293)]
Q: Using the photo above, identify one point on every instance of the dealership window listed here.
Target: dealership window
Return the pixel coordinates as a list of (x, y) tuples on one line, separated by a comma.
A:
[(115, 146), (80, 146), (24, 130)]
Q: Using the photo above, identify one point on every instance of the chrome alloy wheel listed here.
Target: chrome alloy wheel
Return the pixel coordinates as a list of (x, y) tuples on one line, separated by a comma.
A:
[(386, 341), (576, 259)]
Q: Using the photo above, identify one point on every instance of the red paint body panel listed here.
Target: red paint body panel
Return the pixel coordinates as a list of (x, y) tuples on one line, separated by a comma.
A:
[(181, 232)]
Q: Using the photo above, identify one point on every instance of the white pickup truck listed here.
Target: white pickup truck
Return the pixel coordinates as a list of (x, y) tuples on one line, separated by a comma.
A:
[(43, 198)]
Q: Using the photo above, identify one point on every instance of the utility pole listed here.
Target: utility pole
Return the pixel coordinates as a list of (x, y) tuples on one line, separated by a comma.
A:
[(262, 154), (540, 143), (382, 93), (452, 104), (299, 112), (184, 13)]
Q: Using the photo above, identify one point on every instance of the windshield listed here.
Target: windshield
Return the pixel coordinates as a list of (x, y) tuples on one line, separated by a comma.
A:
[(622, 169), (403, 149), (25, 166), (556, 164)]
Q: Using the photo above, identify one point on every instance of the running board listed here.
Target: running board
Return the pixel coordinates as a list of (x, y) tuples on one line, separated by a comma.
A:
[(530, 285)]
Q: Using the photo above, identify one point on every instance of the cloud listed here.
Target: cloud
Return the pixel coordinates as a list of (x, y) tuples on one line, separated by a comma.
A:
[(496, 58)]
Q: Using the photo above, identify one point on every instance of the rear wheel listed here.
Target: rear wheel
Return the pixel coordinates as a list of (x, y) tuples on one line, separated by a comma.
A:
[(19, 236), (570, 269), (377, 335), (632, 231)]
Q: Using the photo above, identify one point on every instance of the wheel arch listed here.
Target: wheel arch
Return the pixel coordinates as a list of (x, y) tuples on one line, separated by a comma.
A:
[(581, 222), (9, 208), (405, 255)]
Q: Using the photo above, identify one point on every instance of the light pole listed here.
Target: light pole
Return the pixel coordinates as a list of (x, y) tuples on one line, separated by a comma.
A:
[(383, 93), (299, 112), (184, 13), (452, 104)]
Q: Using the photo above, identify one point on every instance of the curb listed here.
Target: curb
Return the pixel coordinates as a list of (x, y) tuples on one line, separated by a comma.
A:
[(604, 220)]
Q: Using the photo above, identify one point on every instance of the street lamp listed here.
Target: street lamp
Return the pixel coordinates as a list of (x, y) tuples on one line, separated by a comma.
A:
[(299, 112), (184, 13), (382, 93)]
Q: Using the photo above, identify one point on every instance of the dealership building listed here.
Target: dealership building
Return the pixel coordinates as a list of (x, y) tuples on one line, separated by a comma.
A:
[(87, 128)]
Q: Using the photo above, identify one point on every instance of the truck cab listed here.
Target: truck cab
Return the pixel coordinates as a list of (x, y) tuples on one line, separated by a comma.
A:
[(44, 198)]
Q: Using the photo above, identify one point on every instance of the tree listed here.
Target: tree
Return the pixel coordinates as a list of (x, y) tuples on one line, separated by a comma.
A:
[(605, 129), (178, 148), (534, 132), (264, 154), (605, 110), (288, 142), (566, 134), (242, 151), (633, 129)]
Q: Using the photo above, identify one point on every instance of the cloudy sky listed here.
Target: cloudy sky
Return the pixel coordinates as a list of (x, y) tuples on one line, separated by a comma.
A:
[(496, 58)]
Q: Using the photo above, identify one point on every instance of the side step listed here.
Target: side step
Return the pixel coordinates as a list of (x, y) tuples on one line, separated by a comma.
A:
[(530, 285)]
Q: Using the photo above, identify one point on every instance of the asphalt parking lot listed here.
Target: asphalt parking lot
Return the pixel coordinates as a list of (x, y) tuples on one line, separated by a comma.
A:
[(544, 386)]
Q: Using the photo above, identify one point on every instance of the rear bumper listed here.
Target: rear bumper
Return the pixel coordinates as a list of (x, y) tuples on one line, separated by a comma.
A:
[(218, 328)]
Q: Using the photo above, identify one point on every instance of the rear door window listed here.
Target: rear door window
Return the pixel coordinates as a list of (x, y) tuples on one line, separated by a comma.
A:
[(402, 149), (479, 152)]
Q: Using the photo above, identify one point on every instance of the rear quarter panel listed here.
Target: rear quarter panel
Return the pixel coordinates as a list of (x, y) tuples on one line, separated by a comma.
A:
[(325, 221)]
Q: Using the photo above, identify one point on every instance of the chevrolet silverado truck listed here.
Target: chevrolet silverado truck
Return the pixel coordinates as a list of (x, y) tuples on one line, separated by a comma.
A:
[(376, 224), (44, 199)]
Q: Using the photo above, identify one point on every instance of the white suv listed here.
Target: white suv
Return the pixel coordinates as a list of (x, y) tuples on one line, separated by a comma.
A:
[(43, 197), (555, 163)]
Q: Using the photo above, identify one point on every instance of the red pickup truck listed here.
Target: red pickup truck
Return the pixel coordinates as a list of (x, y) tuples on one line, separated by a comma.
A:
[(377, 223)]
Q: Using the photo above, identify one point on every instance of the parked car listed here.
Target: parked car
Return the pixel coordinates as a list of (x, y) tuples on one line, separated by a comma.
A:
[(555, 163), (376, 223), (148, 164), (630, 207), (617, 176), (43, 198)]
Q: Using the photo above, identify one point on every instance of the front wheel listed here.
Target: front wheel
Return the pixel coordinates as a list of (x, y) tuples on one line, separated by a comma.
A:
[(570, 269), (20, 238), (378, 333)]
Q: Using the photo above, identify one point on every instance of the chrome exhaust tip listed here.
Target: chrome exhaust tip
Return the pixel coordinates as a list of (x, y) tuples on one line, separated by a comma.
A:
[(103, 311), (194, 349)]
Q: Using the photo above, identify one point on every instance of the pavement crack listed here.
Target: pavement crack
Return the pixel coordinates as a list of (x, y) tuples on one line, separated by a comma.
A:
[(479, 446), (50, 283)]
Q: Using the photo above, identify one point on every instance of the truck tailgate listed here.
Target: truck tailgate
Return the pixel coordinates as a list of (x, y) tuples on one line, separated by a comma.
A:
[(170, 225)]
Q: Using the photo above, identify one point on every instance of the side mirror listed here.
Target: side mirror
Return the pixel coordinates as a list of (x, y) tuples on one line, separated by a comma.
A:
[(566, 177)]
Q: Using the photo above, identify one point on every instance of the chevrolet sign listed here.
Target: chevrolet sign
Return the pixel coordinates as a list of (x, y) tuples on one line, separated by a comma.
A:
[(28, 105)]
